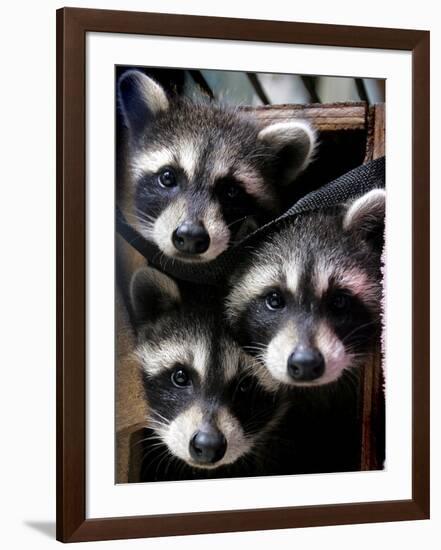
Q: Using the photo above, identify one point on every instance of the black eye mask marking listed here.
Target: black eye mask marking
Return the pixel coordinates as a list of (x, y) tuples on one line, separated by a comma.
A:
[(251, 404), (351, 319), (155, 191), (172, 390), (236, 204)]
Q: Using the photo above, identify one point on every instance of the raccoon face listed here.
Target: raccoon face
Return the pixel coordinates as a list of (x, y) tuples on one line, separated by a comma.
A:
[(206, 404), (203, 175), (309, 305)]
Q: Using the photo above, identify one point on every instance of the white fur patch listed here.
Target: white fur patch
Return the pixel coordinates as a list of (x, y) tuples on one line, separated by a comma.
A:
[(166, 223), (218, 231), (177, 435), (292, 276), (255, 281), (152, 161), (201, 355), (231, 355), (321, 276), (370, 206), (360, 285), (262, 277), (156, 358), (283, 344), (298, 134), (278, 351), (334, 353), (171, 217), (152, 93), (220, 168), (254, 185), (353, 279), (148, 91), (188, 154)]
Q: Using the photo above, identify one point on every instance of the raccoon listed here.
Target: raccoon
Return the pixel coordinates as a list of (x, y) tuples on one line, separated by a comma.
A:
[(307, 304), (209, 414), (202, 175)]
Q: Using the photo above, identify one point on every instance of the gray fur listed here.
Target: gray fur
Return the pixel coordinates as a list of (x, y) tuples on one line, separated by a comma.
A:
[(312, 256), (207, 146)]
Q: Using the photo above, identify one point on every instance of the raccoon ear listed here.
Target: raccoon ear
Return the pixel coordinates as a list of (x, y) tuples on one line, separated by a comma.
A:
[(293, 144), (152, 294), (366, 215), (141, 99)]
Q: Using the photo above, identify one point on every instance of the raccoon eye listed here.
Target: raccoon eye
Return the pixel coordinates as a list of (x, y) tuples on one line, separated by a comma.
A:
[(245, 385), (229, 189), (274, 300), (232, 191), (180, 377), (167, 178), (340, 303)]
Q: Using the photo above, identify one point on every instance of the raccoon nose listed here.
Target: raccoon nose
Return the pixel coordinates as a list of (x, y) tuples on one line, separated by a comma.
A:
[(305, 364), (208, 446), (191, 238)]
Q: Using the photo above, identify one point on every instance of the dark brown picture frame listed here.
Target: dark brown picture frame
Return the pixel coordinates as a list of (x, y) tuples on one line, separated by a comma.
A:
[(72, 26)]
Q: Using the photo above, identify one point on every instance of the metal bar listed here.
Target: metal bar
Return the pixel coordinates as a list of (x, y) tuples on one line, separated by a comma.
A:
[(198, 77), (255, 82), (361, 89), (310, 85)]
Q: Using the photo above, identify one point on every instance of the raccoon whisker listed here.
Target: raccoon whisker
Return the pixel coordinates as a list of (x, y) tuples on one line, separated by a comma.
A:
[(349, 382), (143, 215), (159, 415), (258, 355), (239, 220), (149, 452), (182, 466), (357, 329), (351, 375), (148, 438), (145, 229), (357, 359), (165, 259), (254, 422), (166, 455), (140, 216), (247, 459), (169, 463), (261, 348), (157, 427), (151, 448), (169, 259), (155, 422), (140, 219), (158, 257), (155, 458)]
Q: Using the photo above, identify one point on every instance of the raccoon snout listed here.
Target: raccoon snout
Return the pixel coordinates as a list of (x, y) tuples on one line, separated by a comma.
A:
[(306, 364), (208, 445), (191, 238)]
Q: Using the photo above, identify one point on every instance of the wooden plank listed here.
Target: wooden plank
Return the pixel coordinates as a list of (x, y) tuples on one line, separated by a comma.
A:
[(372, 383), (376, 128), (325, 117), (372, 404)]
